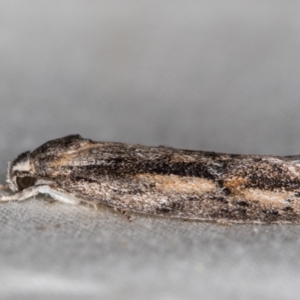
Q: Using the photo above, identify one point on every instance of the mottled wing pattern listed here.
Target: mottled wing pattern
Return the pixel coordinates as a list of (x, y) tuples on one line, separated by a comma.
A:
[(176, 183)]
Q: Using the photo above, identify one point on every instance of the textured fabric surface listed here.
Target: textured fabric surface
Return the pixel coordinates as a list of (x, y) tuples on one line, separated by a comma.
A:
[(210, 75)]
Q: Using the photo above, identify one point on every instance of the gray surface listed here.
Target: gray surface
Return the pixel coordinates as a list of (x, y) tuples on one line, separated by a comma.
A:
[(211, 75)]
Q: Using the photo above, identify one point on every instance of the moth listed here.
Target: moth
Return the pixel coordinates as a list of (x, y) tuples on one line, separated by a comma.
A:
[(161, 181)]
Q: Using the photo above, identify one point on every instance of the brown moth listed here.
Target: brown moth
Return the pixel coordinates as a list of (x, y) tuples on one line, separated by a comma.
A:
[(160, 181)]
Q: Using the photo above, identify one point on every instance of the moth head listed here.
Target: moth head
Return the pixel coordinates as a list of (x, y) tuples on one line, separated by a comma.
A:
[(20, 173)]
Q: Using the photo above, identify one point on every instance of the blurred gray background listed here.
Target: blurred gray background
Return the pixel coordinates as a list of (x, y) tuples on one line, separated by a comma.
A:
[(210, 75)]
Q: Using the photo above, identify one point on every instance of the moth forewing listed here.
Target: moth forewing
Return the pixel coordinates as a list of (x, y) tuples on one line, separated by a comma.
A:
[(160, 180)]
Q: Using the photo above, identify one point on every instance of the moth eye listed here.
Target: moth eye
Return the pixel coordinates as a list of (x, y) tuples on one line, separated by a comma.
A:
[(25, 182)]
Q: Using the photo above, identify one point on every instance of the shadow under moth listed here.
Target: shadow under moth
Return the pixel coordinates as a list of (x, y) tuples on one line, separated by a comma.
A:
[(162, 181)]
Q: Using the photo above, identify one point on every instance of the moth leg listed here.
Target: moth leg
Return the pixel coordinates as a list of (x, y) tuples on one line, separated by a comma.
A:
[(91, 203), (22, 195), (4, 187), (32, 191), (61, 196), (124, 213)]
